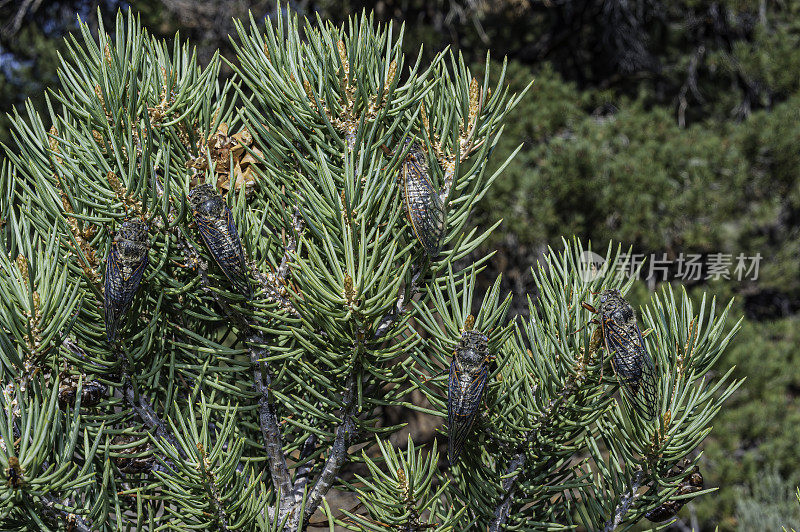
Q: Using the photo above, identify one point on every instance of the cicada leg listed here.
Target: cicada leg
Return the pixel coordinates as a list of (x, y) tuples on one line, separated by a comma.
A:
[(594, 345)]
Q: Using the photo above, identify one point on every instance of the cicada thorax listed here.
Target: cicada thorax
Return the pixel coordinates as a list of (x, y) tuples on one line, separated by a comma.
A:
[(691, 484), (92, 392), (125, 265), (421, 201), (469, 371), (133, 460), (215, 222), (631, 361)]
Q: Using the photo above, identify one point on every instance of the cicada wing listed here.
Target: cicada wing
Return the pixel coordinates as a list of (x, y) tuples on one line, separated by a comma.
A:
[(633, 366), (463, 402), (222, 238), (423, 206), (119, 287)]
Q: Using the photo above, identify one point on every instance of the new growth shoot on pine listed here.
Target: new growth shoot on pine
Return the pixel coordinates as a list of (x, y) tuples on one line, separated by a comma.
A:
[(212, 290)]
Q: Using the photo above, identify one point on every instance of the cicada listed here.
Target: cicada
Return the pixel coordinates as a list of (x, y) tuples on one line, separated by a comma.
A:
[(14, 473), (128, 461), (631, 361), (669, 509), (215, 221), (91, 392), (421, 201), (124, 267), (469, 372)]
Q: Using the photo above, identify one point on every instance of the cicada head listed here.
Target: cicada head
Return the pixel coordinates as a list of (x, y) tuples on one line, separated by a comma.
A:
[(416, 152), (132, 229), (472, 350), (205, 201), (613, 306)]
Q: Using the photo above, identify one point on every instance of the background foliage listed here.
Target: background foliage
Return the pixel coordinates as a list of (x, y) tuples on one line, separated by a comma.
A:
[(668, 125)]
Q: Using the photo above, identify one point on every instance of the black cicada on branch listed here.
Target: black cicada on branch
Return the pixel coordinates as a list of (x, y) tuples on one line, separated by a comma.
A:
[(469, 372), (631, 361), (421, 202), (215, 222), (124, 267)]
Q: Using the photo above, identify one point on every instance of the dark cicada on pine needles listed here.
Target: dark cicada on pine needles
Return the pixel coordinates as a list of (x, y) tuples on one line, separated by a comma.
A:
[(669, 509), (631, 361), (124, 267), (92, 392), (14, 473), (421, 202), (135, 459), (469, 371), (215, 222)]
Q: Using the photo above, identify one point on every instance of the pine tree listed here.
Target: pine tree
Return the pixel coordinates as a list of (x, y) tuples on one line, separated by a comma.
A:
[(169, 377)]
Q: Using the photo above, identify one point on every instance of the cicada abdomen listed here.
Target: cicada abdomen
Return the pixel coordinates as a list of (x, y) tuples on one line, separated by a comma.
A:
[(215, 222), (421, 201), (124, 267), (631, 361), (669, 509), (469, 371)]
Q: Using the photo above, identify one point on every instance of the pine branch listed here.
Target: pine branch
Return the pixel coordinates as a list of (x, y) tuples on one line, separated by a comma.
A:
[(517, 464), (624, 504), (338, 452), (145, 411), (303, 472), (402, 301), (268, 420), (50, 509), (346, 429), (213, 490), (291, 245)]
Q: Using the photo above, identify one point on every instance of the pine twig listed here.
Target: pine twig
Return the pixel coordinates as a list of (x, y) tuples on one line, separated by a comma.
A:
[(144, 410), (59, 515), (402, 300), (268, 421), (624, 504), (338, 452), (213, 490), (347, 428), (517, 463), (303, 471), (291, 244)]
